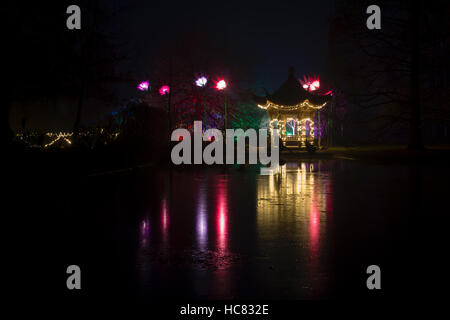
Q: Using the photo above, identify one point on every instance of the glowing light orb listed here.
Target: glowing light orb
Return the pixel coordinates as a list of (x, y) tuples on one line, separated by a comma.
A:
[(221, 84), (201, 82), (164, 90), (310, 83), (143, 86)]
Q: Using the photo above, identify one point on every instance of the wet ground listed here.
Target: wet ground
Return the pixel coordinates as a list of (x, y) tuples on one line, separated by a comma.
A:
[(220, 233)]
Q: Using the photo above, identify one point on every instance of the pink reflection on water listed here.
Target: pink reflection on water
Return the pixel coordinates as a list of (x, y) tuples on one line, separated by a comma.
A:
[(164, 216), (145, 228), (314, 228), (164, 223), (144, 231)]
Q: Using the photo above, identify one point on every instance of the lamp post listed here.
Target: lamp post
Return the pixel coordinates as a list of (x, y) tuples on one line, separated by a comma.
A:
[(165, 91), (144, 86), (201, 82), (221, 85)]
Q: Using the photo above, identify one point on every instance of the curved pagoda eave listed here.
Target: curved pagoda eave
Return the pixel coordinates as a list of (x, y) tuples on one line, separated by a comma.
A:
[(316, 103), (291, 97)]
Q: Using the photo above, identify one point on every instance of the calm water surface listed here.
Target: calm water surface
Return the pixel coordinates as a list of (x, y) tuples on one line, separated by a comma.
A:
[(220, 233)]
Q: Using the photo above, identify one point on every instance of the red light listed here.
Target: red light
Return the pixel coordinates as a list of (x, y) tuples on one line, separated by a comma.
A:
[(310, 83), (221, 84)]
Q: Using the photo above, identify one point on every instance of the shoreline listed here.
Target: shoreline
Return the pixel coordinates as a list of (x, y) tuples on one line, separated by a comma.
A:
[(94, 163)]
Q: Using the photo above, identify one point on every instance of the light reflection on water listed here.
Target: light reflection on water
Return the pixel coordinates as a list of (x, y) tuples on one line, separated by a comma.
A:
[(164, 222), (289, 216), (221, 217), (202, 219), (294, 207), (228, 232)]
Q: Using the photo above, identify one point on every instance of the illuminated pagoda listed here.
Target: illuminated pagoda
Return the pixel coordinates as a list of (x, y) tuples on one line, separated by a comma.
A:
[(292, 110)]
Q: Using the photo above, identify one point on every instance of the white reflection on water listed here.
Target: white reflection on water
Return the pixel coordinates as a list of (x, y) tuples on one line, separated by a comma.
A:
[(202, 219), (294, 206), (145, 231), (144, 244)]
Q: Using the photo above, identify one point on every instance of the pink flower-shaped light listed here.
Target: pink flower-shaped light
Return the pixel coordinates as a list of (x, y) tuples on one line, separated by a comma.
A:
[(143, 86), (164, 90)]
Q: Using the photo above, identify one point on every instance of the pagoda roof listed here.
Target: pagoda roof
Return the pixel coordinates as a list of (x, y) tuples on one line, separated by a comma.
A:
[(291, 93)]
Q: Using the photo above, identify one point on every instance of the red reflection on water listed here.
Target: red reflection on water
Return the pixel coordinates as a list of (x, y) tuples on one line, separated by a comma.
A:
[(221, 257), (221, 217)]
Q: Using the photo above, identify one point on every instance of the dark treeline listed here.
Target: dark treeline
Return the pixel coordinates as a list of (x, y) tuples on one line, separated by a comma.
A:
[(389, 85), (74, 81), (61, 71), (67, 79), (395, 81)]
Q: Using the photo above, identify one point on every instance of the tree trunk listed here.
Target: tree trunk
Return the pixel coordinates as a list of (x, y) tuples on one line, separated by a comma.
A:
[(415, 135)]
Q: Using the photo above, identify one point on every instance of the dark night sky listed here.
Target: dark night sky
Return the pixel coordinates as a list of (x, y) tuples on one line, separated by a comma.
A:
[(268, 35)]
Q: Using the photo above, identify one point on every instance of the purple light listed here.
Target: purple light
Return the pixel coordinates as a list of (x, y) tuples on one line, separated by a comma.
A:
[(201, 82), (164, 90), (143, 86)]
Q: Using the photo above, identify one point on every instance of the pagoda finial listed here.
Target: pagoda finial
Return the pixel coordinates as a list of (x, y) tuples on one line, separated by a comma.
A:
[(291, 71)]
